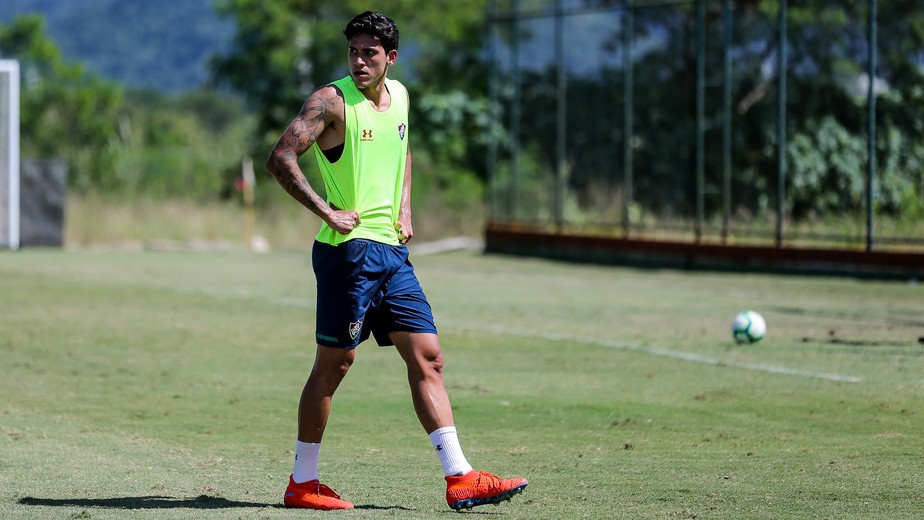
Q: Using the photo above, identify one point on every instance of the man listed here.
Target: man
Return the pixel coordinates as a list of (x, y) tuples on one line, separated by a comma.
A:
[(366, 285)]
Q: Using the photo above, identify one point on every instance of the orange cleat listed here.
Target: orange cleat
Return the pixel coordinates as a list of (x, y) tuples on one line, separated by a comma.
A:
[(477, 488), (313, 495)]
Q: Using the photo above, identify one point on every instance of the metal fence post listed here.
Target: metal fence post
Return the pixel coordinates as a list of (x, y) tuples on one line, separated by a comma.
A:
[(515, 108), (561, 117), (781, 123), (628, 28), (726, 117), (871, 122), (700, 116), (493, 104)]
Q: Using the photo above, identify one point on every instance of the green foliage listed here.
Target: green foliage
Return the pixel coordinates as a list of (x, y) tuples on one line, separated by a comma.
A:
[(191, 144), (828, 169), (455, 128), (161, 46), (280, 53), (283, 50), (826, 107), (188, 145), (64, 110), (900, 183), (526, 195)]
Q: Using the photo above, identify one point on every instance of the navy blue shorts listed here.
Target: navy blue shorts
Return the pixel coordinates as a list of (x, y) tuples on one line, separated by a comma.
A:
[(367, 287)]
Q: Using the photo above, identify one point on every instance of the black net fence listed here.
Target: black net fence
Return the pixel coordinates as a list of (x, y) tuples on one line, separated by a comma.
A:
[(727, 121)]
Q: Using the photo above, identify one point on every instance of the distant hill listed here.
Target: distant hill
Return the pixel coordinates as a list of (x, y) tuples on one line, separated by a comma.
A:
[(163, 45)]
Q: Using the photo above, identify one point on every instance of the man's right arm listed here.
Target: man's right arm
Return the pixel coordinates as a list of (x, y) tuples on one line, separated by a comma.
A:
[(315, 116)]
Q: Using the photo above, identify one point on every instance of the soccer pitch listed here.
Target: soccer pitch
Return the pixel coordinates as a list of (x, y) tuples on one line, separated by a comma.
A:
[(164, 385)]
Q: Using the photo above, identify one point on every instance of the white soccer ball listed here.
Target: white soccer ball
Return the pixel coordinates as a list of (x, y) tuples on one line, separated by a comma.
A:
[(748, 327)]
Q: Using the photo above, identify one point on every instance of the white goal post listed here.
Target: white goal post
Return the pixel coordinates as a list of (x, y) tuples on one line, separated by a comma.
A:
[(9, 154)]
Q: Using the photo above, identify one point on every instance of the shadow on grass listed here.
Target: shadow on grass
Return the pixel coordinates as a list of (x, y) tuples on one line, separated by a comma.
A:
[(384, 508), (161, 502), (146, 502)]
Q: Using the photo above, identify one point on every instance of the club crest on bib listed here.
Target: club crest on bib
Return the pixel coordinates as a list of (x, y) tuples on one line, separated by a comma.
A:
[(402, 130), (355, 328)]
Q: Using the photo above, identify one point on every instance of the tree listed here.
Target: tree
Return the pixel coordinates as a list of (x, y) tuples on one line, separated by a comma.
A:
[(285, 49), (65, 112), (280, 52), (826, 108), (122, 142)]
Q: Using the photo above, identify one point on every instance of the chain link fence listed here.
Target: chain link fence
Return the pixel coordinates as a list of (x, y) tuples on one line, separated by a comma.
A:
[(713, 121)]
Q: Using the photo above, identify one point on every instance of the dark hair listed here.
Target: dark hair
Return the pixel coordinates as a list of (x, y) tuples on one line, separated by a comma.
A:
[(374, 24)]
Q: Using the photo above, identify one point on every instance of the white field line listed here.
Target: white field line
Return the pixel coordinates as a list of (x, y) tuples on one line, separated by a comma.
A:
[(633, 347), (675, 354)]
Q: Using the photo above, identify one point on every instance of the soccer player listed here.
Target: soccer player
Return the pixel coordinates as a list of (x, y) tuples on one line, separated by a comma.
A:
[(366, 285)]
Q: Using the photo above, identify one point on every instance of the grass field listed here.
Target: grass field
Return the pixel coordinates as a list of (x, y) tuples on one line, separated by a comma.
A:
[(164, 385)]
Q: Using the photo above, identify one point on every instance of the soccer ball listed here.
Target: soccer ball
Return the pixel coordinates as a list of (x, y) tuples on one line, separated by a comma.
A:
[(748, 327)]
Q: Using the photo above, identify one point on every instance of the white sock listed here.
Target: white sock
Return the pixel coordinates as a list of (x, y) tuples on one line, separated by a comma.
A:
[(306, 461), (446, 443)]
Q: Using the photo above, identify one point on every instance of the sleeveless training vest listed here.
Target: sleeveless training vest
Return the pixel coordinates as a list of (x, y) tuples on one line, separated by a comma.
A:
[(369, 175)]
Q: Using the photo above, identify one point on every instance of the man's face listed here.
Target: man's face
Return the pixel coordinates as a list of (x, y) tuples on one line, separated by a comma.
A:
[(368, 60)]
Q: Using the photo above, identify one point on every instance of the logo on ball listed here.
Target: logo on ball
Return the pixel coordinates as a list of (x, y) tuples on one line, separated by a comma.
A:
[(748, 327)]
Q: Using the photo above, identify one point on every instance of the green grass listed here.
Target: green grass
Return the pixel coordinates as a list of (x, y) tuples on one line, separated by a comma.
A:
[(164, 385)]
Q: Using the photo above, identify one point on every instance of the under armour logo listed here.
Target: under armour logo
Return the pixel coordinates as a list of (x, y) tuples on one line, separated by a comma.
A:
[(439, 447), (367, 135)]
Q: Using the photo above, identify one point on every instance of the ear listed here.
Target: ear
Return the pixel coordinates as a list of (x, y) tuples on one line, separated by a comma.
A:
[(391, 57)]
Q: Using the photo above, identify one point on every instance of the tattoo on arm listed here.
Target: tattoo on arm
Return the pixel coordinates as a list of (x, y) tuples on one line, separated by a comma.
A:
[(295, 141)]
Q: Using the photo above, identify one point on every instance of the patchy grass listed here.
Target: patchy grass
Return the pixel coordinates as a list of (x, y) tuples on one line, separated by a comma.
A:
[(164, 385)]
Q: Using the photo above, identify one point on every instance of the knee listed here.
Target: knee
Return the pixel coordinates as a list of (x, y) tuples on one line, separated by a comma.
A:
[(435, 362), (327, 370), (421, 353), (429, 364), (340, 371)]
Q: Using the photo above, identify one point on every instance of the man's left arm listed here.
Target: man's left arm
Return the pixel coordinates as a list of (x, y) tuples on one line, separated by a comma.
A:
[(404, 227)]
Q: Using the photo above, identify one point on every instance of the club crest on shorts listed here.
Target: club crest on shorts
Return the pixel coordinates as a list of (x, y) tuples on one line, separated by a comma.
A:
[(355, 328), (402, 129)]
